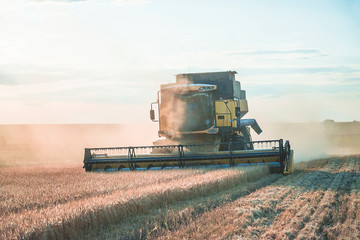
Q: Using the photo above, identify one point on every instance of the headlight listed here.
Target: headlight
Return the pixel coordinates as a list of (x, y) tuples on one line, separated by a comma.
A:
[(207, 88), (213, 131)]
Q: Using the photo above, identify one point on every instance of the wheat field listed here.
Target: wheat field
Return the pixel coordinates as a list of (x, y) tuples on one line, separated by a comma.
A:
[(65, 203), (320, 200)]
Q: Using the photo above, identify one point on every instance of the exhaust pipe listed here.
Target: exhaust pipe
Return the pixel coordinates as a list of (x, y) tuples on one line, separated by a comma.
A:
[(249, 123)]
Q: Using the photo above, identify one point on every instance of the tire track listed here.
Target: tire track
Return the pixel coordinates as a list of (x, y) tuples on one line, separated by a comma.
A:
[(264, 220), (324, 216), (302, 207), (247, 214), (348, 214), (181, 214)]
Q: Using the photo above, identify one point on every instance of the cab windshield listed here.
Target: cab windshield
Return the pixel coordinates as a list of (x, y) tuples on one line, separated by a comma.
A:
[(198, 110)]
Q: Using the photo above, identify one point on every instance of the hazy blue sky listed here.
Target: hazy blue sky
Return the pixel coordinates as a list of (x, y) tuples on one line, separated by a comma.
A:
[(103, 61)]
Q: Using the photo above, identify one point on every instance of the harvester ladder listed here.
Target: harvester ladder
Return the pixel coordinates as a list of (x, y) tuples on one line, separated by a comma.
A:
[(287, 152), (180, 155), (131, 156), (231, 158)]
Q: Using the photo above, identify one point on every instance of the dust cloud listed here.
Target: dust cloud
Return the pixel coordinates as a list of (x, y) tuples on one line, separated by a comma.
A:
[(63, 145), (315, 140), (172, 111)]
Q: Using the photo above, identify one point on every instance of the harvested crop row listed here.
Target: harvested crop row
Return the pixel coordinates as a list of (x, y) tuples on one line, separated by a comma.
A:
[(239, 217), (177, 214), (331, 212), (321, 201), (70, 218)]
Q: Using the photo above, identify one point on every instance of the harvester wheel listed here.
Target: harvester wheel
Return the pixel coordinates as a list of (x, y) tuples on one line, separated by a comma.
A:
[(88, 167), (238, 142), (247, 138), (107, 168), (121, 167), (276, 170)]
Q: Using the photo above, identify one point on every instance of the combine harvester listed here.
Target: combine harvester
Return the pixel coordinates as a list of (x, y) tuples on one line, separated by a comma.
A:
[(200, 124)]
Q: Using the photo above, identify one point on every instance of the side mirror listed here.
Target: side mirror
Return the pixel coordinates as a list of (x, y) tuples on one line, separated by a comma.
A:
[(152, 114), (237, 112)]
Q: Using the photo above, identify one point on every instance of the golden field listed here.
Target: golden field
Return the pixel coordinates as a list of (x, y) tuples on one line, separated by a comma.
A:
[(45, 193), (320, 200), (66, 203)]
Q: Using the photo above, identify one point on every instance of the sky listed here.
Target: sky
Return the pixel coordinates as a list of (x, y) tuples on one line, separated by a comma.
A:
[(103, 61)]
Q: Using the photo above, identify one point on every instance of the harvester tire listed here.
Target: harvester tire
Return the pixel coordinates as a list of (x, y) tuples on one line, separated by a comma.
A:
[(276, 170), (88, 167), (238, 142)]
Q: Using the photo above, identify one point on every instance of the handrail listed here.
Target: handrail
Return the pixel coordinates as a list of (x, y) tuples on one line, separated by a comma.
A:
[(184, 145)]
